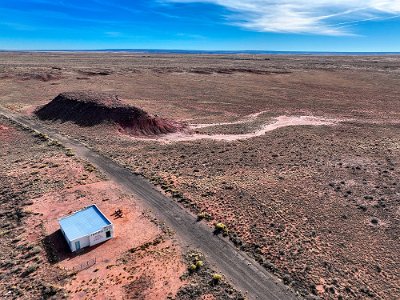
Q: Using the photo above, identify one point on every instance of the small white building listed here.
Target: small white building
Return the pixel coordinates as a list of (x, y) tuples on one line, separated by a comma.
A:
[(86, 227)]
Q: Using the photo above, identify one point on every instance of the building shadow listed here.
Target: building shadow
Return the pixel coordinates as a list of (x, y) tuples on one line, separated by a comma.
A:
[(57, 248)]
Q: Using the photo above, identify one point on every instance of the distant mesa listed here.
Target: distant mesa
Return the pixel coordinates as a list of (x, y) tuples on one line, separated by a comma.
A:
[(88, 108)]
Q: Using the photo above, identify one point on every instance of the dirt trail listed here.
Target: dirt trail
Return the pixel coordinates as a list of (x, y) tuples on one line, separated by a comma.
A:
[(244, 272), (281, 121)]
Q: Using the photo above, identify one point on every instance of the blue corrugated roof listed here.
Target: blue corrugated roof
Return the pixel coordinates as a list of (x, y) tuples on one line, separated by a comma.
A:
[(83, 222)]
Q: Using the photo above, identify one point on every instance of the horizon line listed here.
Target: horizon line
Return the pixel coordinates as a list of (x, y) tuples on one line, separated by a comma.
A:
[(197, 51)]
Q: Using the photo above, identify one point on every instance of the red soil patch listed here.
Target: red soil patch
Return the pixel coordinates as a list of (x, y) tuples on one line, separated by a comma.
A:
[(208, 297), (4, 132), (155, 270), (90, 108), (39, 184), (43, 76)]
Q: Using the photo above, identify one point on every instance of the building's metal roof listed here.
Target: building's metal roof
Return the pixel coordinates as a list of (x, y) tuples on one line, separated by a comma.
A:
[(83, 222)]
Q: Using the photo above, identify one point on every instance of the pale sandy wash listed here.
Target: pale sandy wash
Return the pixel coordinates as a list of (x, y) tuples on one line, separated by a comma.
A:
[(245, 120), (281, 121)]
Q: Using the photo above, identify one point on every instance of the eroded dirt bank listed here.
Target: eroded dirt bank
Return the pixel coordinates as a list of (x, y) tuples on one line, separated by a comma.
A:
[(88, 108)]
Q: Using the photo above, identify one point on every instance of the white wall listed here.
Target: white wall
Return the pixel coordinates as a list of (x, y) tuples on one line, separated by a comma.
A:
[(93, 239), (84, 241), (100, 236)]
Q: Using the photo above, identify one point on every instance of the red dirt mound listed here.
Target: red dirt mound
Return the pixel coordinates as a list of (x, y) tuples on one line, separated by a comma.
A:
[(91, 108), (4, 133)]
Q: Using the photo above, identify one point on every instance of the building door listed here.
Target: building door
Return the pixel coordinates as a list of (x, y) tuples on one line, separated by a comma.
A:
[(108, 234), (77, 245)]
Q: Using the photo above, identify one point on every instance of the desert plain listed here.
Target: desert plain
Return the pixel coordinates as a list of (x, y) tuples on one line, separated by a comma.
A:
[(297, 155)]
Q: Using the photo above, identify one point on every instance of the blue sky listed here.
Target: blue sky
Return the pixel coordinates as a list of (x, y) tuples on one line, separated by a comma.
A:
[(282, 25)]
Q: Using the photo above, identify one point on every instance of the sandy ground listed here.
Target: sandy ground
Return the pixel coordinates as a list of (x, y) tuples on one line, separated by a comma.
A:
[(143, 259), (108, 277), (316, 205), (258, 282)]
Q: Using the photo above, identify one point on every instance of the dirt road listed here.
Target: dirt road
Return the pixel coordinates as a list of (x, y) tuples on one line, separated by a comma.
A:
[(242, 271)]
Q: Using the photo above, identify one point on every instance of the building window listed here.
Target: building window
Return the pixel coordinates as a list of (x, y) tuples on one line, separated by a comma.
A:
[(108, 234)]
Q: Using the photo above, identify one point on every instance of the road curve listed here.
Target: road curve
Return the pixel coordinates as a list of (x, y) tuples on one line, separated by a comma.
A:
[(241, 270)]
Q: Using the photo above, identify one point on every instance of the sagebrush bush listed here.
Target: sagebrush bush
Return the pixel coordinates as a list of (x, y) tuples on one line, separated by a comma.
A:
[(216, 278)]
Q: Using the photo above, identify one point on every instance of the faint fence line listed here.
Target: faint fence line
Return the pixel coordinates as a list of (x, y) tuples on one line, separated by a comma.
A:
[(85, 265)]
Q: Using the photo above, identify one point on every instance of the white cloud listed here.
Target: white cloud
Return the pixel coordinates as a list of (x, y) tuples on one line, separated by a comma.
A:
[(304, 16)]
